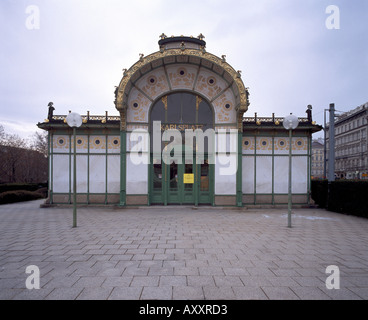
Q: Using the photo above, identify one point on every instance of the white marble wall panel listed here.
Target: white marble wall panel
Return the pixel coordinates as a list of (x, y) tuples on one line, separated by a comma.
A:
[(97, 174), (300, 145), (225, 174), (281, 145), (281, 172), (264, 175), (82, 143), (113, 144), (264, 145), (113, 174), (82, 174), (61, 143), (248, 175), (60, 169), (299, 174), (137, 177), (248, 145), (97, 144)]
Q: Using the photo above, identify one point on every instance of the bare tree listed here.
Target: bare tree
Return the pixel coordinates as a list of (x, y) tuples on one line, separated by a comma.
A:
[(39, 143), (21, 161)]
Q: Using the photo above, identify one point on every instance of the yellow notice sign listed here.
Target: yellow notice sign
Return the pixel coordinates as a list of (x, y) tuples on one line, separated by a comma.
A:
[(188, 178)]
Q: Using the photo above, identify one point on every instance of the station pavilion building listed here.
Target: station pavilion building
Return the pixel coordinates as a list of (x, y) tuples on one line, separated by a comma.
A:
[(179, 89)]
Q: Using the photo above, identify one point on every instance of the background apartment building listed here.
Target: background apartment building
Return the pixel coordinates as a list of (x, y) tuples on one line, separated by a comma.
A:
[(318, 159), (351, 144)]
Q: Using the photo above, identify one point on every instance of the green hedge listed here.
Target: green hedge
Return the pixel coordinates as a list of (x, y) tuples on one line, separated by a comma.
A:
[(19, 196), (319, 192), (345, 196), (21, 186)]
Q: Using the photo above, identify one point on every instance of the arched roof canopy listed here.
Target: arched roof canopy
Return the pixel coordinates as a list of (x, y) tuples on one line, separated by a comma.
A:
[(185, 54)]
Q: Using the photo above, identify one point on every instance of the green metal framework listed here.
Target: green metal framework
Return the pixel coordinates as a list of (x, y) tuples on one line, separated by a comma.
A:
[(83, 197), (273, 198)]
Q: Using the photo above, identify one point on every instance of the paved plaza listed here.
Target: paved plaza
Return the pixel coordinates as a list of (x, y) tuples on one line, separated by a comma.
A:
[(180, 253)]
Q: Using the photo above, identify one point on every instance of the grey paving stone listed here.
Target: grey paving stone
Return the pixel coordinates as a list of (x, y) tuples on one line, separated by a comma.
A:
[(8, 294), (234, 271), (280, 293), (121, 281), (200, 281), (134, 271), (211, 270), (89, 282), (255, 281), (187, 293), (216, 293), (249, 293), (173, 281), (61, 282), (283, 281), (95, 294), (310, 281), (141, 281), (161, 271), (186, 271), (157, 293), (309, 293), (64, 294), (110, 272), (125, 293), (362, 292), (227, 281)]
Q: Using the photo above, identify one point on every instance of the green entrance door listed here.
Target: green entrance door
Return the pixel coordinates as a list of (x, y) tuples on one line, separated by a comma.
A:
[(183, 180), (182, 183)]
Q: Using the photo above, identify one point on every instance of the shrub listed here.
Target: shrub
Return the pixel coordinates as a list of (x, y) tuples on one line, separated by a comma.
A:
[(18, 196), (344, 196), (349, 197), (21, 186), (320, 192), (43, 191)]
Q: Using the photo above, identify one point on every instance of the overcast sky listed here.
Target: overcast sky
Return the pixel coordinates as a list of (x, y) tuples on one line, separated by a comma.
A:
[(74, 53)]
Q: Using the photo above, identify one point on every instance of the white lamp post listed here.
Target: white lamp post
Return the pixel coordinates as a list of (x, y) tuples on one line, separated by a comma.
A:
[(74, 120), (290, 123)]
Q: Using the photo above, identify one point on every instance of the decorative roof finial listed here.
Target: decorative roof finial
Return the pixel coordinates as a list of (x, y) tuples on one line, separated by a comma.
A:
[(201, 37), (51, 110), (163, 36)]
